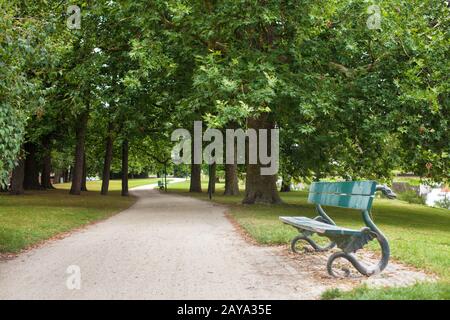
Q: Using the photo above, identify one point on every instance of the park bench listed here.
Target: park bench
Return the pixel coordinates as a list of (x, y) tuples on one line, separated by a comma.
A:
[(160, 185), (357, 195)]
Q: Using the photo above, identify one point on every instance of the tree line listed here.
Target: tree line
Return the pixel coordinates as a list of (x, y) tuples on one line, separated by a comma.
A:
[(350, 101)]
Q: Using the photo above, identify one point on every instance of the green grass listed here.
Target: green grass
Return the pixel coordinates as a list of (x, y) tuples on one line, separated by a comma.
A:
[(113, 184), (422, 291), (413, 181), (39, 215), (418, 235)]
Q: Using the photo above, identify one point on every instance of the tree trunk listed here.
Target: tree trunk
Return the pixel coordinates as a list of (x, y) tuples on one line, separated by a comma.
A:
[(231, 170), (46, 182), (80, 133), (231, 180), (31, 179), (107, 162), (260, 188), (196, 185), (84, 176), (286, 184), (66, 175), (56, 177), (125, 168), (212, 179), (196, 173), (165, 176), (17, 178)]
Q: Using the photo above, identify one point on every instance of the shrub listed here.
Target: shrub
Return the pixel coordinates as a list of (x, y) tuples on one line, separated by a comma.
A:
[(411, 196), (444, 203)]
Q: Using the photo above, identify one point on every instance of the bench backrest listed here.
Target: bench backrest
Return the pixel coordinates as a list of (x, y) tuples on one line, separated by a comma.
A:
[(348, 194)]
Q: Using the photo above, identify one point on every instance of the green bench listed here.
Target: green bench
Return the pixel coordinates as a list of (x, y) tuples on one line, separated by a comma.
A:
[(352, 195), (161, 185)]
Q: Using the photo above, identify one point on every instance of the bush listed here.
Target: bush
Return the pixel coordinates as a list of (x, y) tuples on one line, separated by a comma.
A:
[(444, 203), (411, 196)]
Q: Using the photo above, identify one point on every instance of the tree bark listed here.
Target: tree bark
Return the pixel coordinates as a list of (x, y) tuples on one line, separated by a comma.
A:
[(195, 185), (125, 168), (31, 179), (80, 133), (107, 162), (67, 175), (212, 179), (17, 178), (84, 176), (260, 188), (231, 170), (231, 180), (46, 182), (196, 173), (57, 177)]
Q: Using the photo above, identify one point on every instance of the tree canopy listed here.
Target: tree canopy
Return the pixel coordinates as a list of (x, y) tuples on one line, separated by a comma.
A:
[(350, 100)]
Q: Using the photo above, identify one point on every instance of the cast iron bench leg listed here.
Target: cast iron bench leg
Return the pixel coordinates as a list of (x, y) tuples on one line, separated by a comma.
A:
[(311, 242), (364, 270)]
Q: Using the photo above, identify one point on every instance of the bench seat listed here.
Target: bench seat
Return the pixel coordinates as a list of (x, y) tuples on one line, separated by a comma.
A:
[(317, 226)]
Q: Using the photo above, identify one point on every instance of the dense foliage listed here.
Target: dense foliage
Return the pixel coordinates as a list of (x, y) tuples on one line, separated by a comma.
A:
[(350, 101)]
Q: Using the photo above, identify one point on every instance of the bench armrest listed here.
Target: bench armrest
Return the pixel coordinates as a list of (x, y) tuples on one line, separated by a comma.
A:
[(386, 191)]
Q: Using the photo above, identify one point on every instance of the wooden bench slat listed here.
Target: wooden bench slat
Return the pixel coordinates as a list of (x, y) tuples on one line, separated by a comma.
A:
[(317, 226), (344, 201), (347, 187)]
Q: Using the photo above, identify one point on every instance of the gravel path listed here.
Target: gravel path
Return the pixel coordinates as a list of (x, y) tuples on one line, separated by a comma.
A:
[(164, 247)]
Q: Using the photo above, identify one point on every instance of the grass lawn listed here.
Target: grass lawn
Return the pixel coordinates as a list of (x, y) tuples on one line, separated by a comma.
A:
[(413, 181), (40, 215), (113, 184), (418, 235)]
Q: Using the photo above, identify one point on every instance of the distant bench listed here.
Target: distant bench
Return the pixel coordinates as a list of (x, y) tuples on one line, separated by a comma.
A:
[(352, 195)]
